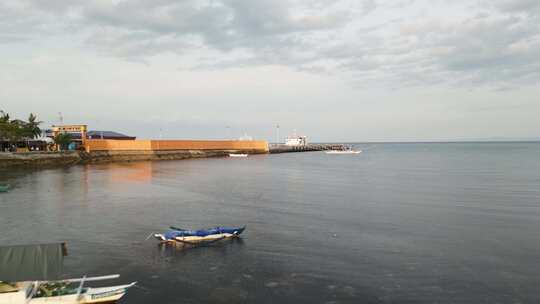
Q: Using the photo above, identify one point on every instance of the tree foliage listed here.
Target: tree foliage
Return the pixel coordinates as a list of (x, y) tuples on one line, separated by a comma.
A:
[(63, 140), (14, 130)]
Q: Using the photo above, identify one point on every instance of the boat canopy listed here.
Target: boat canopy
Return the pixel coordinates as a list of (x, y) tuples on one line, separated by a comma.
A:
[(32, 262)]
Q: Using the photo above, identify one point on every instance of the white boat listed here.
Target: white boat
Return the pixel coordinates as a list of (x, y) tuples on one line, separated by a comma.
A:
[(30, 274), (237, 155), (58, 292), (199, 236), (194, 237), (295, 140), (344, 152)]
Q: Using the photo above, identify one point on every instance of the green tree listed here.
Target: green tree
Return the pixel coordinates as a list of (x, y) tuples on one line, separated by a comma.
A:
[(10, 130), (4, 117), (4, 121), (63, 140), (31, 128), (16, 130)]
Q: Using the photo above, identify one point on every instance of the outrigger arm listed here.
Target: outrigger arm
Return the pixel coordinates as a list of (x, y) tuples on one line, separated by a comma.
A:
[(79, 290)]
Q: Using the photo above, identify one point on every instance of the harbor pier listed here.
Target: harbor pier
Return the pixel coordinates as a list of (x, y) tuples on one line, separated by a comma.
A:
[(281, 148)]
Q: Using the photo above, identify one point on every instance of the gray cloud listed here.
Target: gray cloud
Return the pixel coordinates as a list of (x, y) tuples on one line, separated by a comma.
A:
[(522, 6), (366, 42)]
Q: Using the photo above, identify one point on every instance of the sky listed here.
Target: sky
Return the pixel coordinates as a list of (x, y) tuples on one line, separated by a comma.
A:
[(334, 70)]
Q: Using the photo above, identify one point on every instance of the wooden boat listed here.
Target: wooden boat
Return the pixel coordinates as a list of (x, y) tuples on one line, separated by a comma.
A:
[(30, 274), (4, 188), (59, 292), (198, 237), (237, 155)]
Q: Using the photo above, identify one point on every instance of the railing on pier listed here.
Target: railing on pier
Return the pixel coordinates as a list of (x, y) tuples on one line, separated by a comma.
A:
[(281, 148)]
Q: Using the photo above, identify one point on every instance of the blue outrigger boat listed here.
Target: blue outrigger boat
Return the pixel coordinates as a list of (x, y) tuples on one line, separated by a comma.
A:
[(201, 236)]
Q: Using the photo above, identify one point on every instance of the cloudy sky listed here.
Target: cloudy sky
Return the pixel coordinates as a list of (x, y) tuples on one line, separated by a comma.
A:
[(335, 70)]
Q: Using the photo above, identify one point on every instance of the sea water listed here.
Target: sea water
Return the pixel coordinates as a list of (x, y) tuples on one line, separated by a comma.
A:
[(398, 223)]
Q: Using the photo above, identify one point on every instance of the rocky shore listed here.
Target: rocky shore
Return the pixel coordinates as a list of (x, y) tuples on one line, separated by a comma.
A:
[(60, 159), (39, 159), (128, 156)]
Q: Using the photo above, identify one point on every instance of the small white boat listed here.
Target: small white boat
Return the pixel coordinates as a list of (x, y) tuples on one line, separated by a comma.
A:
[(344, 152), (237, 155), (31, 275), (60, 292)]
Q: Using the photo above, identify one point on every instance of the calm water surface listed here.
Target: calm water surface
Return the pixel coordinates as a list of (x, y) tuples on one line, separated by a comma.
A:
[(399, 223)]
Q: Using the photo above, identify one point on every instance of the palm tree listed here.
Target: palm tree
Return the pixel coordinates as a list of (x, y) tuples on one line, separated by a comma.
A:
[(4, 117), (9, 129), (16, 130), (32, 126)]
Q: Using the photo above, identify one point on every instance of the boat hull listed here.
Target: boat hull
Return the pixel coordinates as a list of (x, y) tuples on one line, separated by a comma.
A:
[(238, 155), (100, 295), (199, 236)]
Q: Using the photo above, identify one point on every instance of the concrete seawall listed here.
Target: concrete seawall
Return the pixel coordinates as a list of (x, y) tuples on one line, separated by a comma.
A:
[(97, 151), (95, 145)]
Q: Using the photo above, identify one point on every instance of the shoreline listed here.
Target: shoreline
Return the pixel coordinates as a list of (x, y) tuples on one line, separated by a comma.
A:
[(41, 160)]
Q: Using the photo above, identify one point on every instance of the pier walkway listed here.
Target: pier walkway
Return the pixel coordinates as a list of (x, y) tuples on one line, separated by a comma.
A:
[(281, 148)]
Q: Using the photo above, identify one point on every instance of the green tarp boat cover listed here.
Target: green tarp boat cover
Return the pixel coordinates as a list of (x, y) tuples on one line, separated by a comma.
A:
[(31, 262)]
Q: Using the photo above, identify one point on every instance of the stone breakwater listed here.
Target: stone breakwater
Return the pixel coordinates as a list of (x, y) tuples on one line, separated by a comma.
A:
[(39, 159), (128, 156), (59, 159)]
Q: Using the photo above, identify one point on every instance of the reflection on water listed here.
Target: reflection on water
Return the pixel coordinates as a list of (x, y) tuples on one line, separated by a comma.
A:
[(218, 249), (399, 223)]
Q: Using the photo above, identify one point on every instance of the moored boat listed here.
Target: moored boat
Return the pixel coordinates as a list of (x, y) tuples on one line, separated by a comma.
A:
[(238, 155), (30, 274), (199, 236), (344, 152)]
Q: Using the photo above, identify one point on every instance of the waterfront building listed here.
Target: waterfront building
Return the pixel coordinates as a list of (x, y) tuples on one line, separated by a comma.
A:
[(80, 134)]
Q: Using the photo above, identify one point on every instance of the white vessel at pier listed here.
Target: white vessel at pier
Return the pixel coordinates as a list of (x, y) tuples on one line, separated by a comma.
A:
[(295, 140)]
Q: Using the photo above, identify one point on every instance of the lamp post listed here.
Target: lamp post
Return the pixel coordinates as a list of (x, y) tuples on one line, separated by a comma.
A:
[(277, 134)]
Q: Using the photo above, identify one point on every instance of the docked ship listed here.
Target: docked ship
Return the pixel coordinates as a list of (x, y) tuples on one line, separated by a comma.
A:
[(295, 140)]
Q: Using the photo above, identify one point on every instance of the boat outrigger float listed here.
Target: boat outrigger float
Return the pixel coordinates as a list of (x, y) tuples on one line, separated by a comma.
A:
[(198, 237), (30, 274)]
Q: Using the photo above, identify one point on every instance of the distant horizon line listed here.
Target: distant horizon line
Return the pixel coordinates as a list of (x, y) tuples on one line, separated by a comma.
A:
[(429, 141)]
